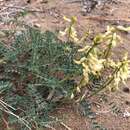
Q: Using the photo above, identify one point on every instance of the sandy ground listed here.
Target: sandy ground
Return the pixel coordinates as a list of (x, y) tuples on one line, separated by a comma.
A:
[(49, 16)]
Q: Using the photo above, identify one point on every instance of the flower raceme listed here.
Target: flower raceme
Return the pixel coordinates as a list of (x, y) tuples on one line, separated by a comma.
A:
[(70, 31), (95, 60)]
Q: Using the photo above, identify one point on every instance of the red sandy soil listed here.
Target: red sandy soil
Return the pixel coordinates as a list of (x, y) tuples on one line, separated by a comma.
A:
[(48, 16)]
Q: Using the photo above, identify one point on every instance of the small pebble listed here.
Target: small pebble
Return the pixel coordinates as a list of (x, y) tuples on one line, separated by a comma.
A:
[(127, 102), (126, 90)]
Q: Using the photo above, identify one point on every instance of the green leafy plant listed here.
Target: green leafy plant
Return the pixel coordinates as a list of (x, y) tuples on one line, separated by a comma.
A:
[(39, 71)]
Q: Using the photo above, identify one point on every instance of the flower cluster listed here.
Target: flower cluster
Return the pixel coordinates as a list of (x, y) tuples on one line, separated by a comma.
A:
[(95, 59), (70, 31)]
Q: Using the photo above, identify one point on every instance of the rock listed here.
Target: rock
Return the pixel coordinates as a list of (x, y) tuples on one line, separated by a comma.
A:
[(126, 90), (89, 5)]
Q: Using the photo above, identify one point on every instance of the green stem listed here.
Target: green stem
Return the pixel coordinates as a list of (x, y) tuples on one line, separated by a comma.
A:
[(108, 51), (70, 30), (90, 50)]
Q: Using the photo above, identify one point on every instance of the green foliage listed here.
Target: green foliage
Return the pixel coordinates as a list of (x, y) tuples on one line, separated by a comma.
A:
[(97, 126), (39, 71), (115, 108), (33, 66), (85, 108), (4, 86)]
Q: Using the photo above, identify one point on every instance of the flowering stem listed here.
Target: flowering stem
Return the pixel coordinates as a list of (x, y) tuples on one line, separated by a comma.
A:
[(70, 29), (108, 81), (90, 50), (108, 50)]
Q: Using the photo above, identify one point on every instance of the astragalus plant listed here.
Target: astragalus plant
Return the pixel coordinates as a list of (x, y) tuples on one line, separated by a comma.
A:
[(97, 58), (39, 71)]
